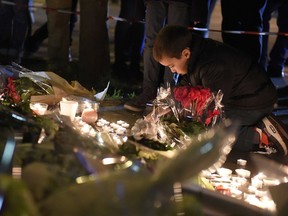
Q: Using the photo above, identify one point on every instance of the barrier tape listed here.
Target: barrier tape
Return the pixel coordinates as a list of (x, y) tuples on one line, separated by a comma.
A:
[(240, 32), (47, 9)]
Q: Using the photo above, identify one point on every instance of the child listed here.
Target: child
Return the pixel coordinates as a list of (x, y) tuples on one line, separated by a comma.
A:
[(249, 95)]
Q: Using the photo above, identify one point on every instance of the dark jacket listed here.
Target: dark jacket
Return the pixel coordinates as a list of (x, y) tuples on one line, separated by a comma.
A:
[(218, 66)]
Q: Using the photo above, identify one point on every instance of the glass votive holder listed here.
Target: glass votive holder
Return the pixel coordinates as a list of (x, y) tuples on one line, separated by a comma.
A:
[(89, 115), (87, 104), (38, 108)]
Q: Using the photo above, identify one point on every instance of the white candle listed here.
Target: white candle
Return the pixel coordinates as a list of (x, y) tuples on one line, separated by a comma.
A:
[(120, 122), (256, 182), (243, 173), (126, 125), (252, 189), (68, 108), (271, 182), (241, 162), (224, 171)]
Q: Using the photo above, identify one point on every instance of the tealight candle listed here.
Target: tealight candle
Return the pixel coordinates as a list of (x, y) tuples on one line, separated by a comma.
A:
[(236, 193), (240, 180), (261, 175), (241, 162), (120, 130), (224, 171), (120, 122), (89, 115), (256, 182), (252, 189), (261, 193), (125, 125), (271, 182), (243, 173), (100, 123)]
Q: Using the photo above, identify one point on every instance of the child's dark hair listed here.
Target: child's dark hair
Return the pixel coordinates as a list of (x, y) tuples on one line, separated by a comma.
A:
[(171, 41)]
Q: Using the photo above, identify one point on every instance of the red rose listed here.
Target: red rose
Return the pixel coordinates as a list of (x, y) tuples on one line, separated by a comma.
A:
[(181, 95), (12, 91), (211, 114)]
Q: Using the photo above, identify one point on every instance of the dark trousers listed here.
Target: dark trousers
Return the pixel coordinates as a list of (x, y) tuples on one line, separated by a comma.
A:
[(42, 32), (244, 15), (14, 20), (201, 11), (247, 137), (158, 14), (129, 37), (276, 63)]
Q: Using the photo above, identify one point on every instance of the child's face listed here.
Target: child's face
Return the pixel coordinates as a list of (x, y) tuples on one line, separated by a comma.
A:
[(177, 65)]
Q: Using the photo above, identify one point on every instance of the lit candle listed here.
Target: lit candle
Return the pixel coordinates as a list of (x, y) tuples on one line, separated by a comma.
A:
[(252, 189), (120, 130), (271, 182), (236, 193), (120, 122), (243, 173), (241, 162), (224, 171), (125, 125), (89, 115), (240, 180), (256, 182)]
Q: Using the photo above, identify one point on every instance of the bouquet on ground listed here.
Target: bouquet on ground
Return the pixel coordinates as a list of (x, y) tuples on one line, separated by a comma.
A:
[(199, 104), (178, 117)]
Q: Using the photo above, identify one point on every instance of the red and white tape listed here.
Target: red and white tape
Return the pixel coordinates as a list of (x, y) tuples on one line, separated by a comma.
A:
[(47, 9)]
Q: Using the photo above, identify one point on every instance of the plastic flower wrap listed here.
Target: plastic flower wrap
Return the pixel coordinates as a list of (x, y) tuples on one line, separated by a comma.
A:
[(144, 129), (178, 117), (161, 129), (43, 86)]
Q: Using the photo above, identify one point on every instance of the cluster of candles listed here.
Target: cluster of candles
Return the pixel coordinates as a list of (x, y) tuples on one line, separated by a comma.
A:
[(241, 185), (118, 130), (120, 127)]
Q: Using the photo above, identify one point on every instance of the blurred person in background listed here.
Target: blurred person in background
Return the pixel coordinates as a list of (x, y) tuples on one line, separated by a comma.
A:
[(14, 23), (129, 38), (274, 62), (34, 41), (158, 14), (201, 11), (244, 15)]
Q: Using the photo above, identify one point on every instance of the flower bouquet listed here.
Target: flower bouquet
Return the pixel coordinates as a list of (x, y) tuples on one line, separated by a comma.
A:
[(24, 92), (199, 103), (178, 118)]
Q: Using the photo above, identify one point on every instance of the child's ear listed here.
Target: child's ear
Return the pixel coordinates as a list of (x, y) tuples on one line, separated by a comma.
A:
[(186, 53)]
